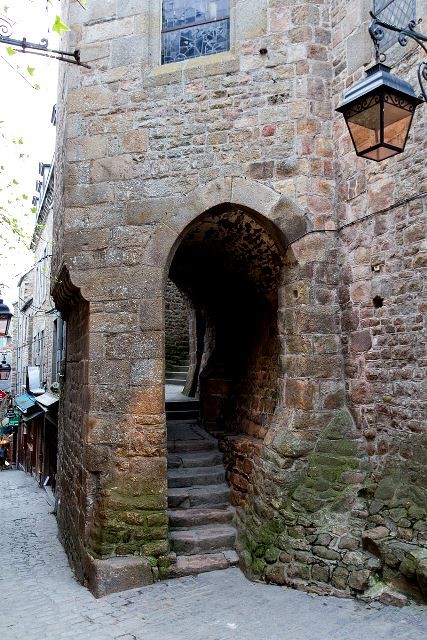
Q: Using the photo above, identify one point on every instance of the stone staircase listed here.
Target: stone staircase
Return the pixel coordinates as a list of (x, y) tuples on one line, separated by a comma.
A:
[(177, 371), (200, 515)]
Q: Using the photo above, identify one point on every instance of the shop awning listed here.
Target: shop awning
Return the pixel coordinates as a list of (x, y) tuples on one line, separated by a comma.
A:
[(47, 400), (27, 418), (25, 402)]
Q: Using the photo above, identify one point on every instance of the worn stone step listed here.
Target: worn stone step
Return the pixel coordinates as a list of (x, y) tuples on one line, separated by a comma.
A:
[(204, 539), (216, 495), (181, 405), (196, 476), (175, 446), (176, 375), (192, 565), (183, 416), (174, 365), (180, 518), (196, 459)]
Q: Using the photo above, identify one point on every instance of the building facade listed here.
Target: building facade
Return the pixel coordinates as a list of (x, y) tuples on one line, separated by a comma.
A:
[(38, 350), (203, 147)]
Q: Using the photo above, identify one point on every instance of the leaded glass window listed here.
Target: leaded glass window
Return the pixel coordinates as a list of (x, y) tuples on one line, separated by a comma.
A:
[(396, 12), (193, 28)]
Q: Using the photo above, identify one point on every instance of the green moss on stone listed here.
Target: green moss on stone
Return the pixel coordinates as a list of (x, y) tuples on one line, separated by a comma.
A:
[(258, 566)]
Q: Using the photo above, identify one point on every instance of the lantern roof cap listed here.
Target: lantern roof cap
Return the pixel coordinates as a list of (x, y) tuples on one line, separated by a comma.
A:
[(4, 309), (377, 77)]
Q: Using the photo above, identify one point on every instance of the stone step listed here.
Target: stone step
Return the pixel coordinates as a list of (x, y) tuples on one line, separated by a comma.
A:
[(182, 415), (181, 423), (180, 518), (196, 476), (182, 405), (196, 459), (176, 375), (174, 365), (175, 446), (177, 383), (192, 565), (177, 367), (216, 495), (206, 539)]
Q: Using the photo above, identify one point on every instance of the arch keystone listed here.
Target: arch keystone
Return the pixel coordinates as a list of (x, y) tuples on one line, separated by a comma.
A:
[(254, 195)]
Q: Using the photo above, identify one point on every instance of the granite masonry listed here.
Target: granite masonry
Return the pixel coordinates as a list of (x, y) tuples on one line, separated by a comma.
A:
[(303, 266)]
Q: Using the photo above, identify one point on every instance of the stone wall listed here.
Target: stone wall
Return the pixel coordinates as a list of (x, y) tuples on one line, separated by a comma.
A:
[(382, 320), (326, 473), (381, 211), (74, 492), (176, 327)]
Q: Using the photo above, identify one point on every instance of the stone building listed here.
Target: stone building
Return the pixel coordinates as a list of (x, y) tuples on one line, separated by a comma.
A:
[(211, 155), (38, 349)]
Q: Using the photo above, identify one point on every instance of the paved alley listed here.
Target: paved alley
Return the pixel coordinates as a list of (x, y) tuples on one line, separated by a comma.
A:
[(41, 600)]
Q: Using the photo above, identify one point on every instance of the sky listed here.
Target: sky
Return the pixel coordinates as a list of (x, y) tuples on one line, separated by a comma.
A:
[(25, 115)]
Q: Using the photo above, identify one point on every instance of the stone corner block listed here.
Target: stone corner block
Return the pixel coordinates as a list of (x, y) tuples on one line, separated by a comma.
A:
[(312, 247), (117, 574), (290, 219)]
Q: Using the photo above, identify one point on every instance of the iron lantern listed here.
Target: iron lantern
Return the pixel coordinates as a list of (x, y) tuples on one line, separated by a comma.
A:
[(5, 369), (378, 112), (5, 318)]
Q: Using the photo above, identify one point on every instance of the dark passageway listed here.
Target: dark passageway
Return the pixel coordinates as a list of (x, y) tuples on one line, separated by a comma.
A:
[(228, 265)]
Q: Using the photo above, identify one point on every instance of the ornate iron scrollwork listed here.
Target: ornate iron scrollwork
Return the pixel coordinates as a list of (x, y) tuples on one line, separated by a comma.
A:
[(41, 48), (377, 30), (6, 25)]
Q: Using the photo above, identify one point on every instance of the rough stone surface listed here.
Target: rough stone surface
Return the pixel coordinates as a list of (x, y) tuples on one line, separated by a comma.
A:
[(41, 598), (304, 267), (176, 328), (117, 574)]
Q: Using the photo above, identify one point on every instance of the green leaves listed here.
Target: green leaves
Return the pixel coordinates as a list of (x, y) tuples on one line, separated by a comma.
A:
[(31, 70), (11, 51), (59, 26)]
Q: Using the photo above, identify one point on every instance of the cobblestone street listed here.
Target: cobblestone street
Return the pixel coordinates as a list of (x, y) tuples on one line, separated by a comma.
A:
[(41, 600)]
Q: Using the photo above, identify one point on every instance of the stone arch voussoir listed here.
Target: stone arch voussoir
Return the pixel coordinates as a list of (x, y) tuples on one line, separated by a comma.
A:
[(178, 213)]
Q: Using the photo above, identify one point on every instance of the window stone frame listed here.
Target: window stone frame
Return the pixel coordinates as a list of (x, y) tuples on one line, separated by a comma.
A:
[(206, 23), (201, 66)]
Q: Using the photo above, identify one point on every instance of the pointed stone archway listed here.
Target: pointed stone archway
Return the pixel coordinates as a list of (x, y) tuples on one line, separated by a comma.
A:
[(123, 485), (228, 266)]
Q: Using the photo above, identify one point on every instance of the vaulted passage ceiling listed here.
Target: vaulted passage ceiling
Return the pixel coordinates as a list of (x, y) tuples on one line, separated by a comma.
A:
[(228, 251), (228, 265)]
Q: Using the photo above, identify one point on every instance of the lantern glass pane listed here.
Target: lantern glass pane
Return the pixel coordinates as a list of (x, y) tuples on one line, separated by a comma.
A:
[(365, 127), (4, 375), (397, 122), (381, 153)]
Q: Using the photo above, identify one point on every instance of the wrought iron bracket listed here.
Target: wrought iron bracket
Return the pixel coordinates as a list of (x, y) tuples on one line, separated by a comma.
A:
[(38, 49), (376, 31), (42, 49)]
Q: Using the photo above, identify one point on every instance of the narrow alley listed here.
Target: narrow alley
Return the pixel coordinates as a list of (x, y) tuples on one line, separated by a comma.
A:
[(42, 601)]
